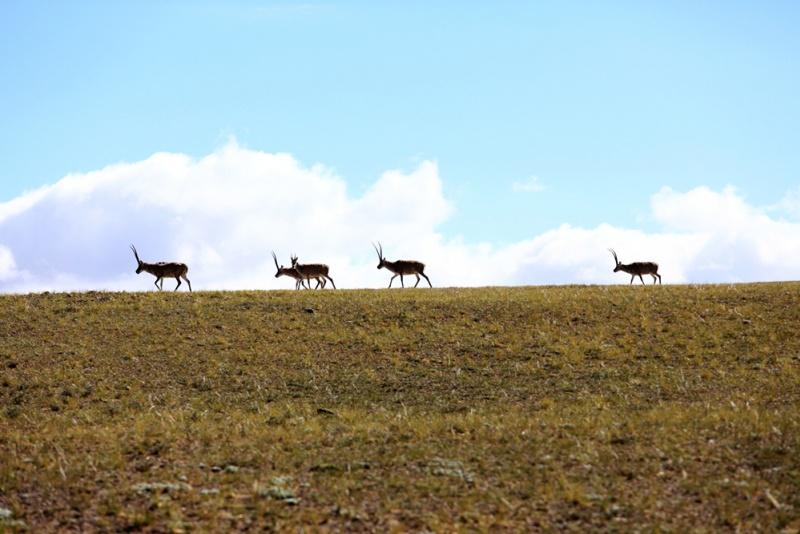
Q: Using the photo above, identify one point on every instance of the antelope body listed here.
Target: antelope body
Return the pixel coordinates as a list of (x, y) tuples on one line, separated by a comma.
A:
[(163, 269), (637, 268), (318, 271), (401, 267), (290, 272)]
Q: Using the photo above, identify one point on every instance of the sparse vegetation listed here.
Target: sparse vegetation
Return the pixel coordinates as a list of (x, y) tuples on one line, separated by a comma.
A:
[(571, 408)]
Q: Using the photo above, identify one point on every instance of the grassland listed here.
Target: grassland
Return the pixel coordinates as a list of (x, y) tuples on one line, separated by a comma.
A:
[(672, 408)]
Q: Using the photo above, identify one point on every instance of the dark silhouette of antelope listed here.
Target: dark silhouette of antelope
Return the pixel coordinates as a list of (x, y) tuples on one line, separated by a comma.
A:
[(637, 268), (163, 269), (290, 272), (401, 267), (312, 270)]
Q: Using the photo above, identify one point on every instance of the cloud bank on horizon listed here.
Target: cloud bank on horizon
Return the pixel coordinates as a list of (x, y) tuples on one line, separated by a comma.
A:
[(223, 215)]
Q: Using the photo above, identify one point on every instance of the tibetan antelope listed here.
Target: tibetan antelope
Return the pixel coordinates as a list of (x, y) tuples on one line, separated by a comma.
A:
[(290, 272), (637, 268), (401, 267), (163, 269), (318, 271)]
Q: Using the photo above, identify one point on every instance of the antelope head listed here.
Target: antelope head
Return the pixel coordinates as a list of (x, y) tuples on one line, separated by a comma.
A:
[(279, 267), (381, 259), (140, 268), (617, 267)]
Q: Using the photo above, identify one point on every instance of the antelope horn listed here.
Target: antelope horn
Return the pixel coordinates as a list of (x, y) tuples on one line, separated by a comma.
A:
[(274, 257), (611, 250), (135, 253)]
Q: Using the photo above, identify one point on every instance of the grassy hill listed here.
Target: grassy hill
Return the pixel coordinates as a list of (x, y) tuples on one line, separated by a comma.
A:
[(542, 408)]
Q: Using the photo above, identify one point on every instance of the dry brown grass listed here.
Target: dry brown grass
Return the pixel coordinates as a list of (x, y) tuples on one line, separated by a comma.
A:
[(569, 408)]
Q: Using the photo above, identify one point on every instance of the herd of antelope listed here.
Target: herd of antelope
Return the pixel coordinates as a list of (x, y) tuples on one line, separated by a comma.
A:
[(303, 273)]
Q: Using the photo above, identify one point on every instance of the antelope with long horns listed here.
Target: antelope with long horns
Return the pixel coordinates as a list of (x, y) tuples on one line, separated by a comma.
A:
[(401, 267), (637, 268), (290, 272), (318, 271), (163, 269)]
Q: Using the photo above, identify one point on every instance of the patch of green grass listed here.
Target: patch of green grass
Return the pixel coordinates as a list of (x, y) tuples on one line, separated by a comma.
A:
[(579, 408)]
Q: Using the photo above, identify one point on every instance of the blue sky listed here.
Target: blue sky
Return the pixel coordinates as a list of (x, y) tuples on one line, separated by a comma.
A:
[(541, 126)]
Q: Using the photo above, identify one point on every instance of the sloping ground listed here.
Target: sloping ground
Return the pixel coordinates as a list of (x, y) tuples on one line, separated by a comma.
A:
[(537, 408)]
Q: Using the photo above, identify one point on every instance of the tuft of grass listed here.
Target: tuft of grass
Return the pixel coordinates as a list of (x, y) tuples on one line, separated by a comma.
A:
[(584, 408)]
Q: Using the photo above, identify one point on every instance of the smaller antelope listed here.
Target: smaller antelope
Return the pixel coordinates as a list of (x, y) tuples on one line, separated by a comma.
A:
[(307, 271), (291, 272), (163, 269), (401, 267), (637, 268)]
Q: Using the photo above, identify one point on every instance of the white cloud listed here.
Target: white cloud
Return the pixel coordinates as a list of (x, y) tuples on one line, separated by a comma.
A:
[(742, 243), (224, 213), (8, 267), (789, 204), (531, 185)]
